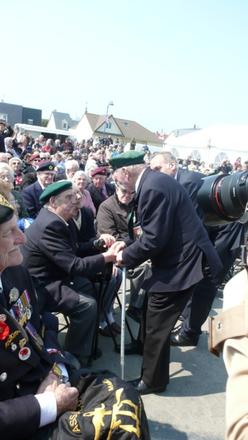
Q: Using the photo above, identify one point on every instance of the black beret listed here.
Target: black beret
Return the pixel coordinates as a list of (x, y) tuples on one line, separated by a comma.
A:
[(126, 159), (6, 210), (54, 189), (45, 165)]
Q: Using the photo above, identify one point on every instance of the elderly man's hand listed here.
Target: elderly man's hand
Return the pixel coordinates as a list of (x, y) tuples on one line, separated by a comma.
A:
[(66, 398), (108, 239)]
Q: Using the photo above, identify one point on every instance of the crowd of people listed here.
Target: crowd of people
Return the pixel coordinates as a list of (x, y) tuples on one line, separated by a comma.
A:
[(83, 212)]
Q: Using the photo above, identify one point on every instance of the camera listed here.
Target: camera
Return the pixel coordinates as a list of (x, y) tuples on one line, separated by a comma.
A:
[(223, 198)]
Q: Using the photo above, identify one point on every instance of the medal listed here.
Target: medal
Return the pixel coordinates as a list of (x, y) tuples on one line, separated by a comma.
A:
[(28, 313), (4, 330), (11, 337), (13, 347), (13, 294), (24, 353), (22, 342)]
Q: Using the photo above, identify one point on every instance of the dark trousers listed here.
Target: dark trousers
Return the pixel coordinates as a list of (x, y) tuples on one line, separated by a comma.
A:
[(163, 310), (198, 307)]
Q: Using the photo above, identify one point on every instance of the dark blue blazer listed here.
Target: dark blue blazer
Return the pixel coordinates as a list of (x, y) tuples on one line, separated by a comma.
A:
[(191, 181), (173, 236), (50, 255), (20, 377), (31, 195)]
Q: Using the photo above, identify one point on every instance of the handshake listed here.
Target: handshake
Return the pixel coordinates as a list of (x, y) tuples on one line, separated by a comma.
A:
[(110, 248)]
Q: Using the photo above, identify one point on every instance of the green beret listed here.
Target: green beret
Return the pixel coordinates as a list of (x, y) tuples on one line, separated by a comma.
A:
[(54, 189), (126, 159), (6, 210)]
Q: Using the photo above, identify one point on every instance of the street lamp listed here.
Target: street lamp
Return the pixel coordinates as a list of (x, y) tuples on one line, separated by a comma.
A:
[(106, 118)]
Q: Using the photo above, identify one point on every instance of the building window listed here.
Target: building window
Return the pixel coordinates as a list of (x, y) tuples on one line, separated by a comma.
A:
[(64, 125), (4, 116), (30, 122)]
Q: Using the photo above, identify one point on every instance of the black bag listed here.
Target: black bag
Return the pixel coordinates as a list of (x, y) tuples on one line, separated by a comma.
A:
[(109, 409)]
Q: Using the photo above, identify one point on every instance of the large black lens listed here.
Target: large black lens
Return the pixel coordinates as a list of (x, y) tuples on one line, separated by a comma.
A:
[(223, 198)]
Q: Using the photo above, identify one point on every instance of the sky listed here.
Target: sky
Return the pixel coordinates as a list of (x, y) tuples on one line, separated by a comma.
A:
[(166, 64)]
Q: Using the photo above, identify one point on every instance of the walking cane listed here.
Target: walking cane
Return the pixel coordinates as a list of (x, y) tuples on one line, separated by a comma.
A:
[(123, 316)]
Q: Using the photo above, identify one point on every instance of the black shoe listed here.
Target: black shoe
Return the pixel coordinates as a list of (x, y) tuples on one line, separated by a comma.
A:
[(142, 388), (134, 313), (115, 328), (106, 331), (134, 347), (181, 340)]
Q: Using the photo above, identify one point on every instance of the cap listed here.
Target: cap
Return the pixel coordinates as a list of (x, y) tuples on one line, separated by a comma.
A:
[(45, 165), (6, 210), (54, 189), (126, 159), (99, 170)]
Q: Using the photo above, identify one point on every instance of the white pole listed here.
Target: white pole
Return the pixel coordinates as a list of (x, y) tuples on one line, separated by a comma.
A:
[(123, 315)]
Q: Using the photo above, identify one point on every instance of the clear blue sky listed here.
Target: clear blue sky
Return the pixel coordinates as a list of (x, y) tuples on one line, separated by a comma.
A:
[(164, 63)]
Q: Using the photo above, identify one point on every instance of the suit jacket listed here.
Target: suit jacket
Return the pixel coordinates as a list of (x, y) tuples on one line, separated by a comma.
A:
[(50, 255), (85, 235), (20, 375), (191, 181), (112, 218), (30, 196), (97, 196), (173, 237)]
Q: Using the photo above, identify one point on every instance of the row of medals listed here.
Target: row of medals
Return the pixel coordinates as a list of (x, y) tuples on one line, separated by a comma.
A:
[(21, 311)]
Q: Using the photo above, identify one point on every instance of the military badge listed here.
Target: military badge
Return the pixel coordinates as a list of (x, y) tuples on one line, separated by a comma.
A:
[(13, 294), (24, 353)]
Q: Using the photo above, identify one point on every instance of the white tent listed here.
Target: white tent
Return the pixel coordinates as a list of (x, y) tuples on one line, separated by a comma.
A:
[(212, 144)]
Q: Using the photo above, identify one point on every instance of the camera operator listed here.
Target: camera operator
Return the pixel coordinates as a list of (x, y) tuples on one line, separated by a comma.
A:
[(228, 330), (226, 239)]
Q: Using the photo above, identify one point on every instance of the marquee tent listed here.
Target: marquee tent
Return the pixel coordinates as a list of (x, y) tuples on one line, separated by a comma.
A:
[(212, 144)]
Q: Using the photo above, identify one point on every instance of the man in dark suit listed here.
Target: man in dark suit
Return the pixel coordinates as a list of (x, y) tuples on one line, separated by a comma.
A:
[(99, 189), (50, 254), (178, 246), (31, 193), (32, 392), (226, 239), (37, 400)]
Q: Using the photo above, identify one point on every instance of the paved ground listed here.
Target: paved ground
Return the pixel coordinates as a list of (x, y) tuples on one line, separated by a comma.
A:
[(192, 407)]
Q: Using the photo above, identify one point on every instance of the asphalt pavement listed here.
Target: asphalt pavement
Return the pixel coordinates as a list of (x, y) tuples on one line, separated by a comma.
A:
[(193, 405)]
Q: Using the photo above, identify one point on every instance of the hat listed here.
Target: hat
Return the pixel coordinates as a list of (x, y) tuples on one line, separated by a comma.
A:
[(126, 159), (99, 170), (6, 210), (45, 165), (54, 189), (34, 156)]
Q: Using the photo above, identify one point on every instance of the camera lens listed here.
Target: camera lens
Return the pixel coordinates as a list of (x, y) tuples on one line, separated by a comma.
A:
[(223, 198)]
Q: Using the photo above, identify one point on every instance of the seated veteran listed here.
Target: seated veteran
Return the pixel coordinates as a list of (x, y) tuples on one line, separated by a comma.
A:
[(91, 244), (116, 216), (31, 193), (229, 331), (99, 189), (37, 400), (51, 256), (32, 392)]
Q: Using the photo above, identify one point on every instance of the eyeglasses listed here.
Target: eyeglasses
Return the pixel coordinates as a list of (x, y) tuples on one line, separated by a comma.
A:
[(124, 190)]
